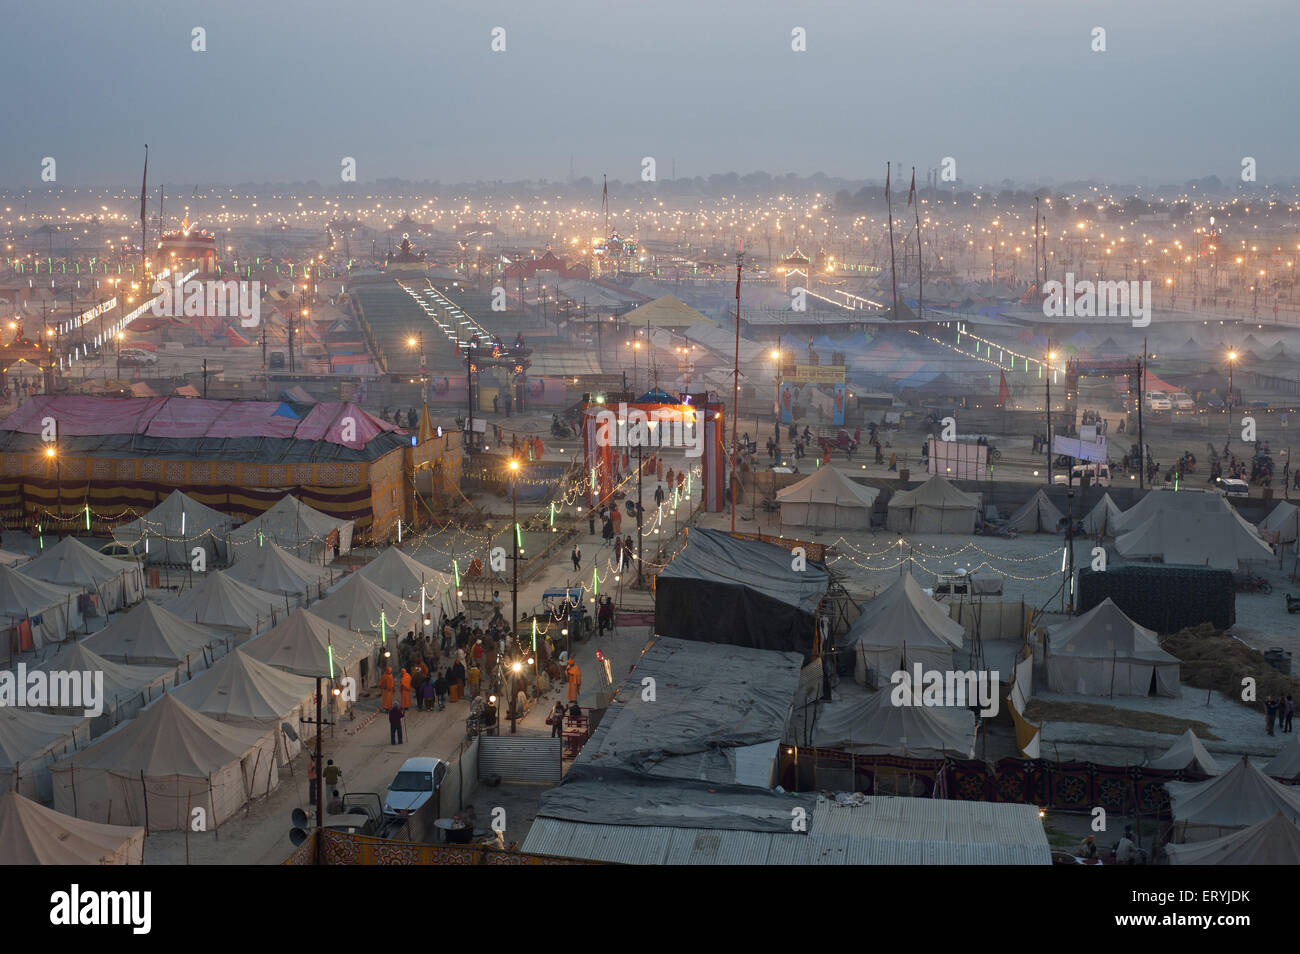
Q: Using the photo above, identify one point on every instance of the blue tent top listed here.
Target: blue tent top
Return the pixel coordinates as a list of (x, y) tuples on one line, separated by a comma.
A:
[(284, 410), (657, 396)]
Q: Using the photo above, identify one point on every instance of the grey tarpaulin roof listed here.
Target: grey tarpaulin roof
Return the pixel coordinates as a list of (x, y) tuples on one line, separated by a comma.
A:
[(712, 702), (717, 557)]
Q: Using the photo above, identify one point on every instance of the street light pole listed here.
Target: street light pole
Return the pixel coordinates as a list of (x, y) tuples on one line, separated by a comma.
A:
[(514, 510)]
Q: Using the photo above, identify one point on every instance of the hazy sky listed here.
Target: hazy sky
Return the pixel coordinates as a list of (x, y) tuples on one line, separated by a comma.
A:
[(412, 89)]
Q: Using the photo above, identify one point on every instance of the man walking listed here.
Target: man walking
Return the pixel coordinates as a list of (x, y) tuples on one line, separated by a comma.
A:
[(577, 557), (395, 725)]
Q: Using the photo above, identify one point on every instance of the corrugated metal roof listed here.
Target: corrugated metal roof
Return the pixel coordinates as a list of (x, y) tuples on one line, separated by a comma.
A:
[(884, 830)]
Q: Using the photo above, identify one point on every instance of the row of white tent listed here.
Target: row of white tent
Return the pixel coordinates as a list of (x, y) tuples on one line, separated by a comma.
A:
[(215, 742), (170, 531)]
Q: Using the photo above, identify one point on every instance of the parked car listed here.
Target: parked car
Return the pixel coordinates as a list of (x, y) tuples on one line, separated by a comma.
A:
[(1231, 487), (120, 551), (1098, 475), (137, 356), (1182, 402), (1159, 401), (414, 797)]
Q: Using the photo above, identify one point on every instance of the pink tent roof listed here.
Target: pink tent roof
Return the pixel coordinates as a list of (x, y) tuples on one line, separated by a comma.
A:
[(1151, 383), (173, 417)]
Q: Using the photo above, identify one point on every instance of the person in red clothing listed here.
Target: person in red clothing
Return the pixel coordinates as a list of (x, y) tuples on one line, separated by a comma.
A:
[(395, 725)]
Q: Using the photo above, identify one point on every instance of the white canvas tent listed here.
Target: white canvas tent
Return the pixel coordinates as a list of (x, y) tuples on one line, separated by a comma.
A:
[(934, 507), (1275, 841), (307, 645), (1240, 797), (275, 570), (1188, 754), (301, 530), (52, 610), (1103, 652), (399, 573), (871, 724), (1286, 764), (1102, 519), (827, 499), (240, 690), (1193, 501), (157, 768), (900, 627), (170, 531), (127, 689), (367, 607), (30, 741), (31, 834), (1285, 519), (72, 564), (229, 606), (1218, 540), (152, 636), (1038, 515)]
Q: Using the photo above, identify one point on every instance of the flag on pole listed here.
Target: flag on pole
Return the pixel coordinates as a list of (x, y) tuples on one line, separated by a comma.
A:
[(911, 193), (1004, 392)]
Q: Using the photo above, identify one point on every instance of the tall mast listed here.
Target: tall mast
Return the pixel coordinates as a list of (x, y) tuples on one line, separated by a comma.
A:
[(893, 269), (735, 394), (144, 185), (920, 278)]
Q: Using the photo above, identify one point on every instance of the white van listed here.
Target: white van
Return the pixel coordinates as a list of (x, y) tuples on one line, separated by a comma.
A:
[(1098, 475), (1159, 401)]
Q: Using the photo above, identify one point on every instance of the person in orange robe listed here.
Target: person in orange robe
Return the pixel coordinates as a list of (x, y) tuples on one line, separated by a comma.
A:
[(574, 675), (406, 690), (386, 689)]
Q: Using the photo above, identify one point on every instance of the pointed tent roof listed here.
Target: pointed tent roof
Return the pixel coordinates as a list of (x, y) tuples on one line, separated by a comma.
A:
[(828, 485), (224, 602), (275, 570), (302, 644), (26, 732), (399, 573), (666, 312), (31, 834), (1275, 841), (177, 509), (288, 522), (1284, 518), (1219, 540), (1102, 518), (1277, 351), (120, 681), (21, 595), (149, 633), (358, 603), (936, 492), (1109, 346), (168, 738), (903, 613), (1241, 796), (872, 723), (71, 563), (1038, 515), (241, 687), (1182, 501), (1187, 754), (1104, 632), (1286, 764)]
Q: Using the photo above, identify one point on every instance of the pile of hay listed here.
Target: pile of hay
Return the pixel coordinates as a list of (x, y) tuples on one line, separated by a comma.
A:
[(1212, 660), (1042, 710)]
